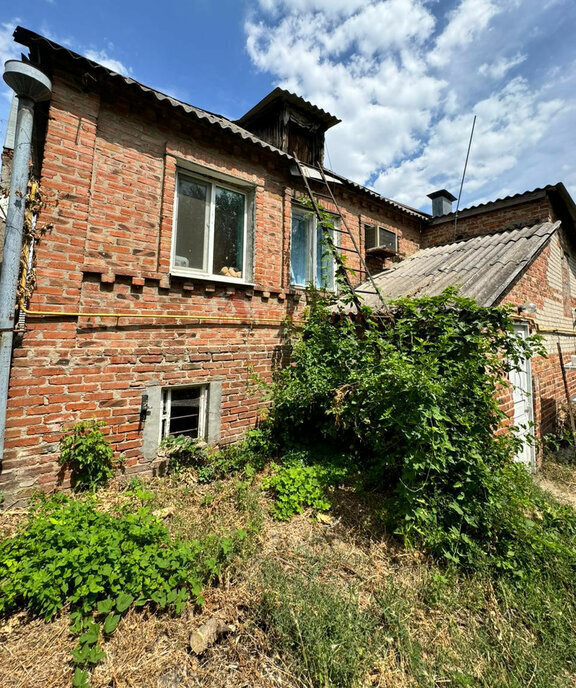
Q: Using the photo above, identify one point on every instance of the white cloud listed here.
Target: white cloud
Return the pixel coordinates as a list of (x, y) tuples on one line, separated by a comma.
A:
[(466, 23), (499, 68), (406, 81), (102, 57)]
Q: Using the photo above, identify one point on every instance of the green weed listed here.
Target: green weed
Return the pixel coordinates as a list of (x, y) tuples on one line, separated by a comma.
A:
[(326, 638), (88, 454), (99, 565)]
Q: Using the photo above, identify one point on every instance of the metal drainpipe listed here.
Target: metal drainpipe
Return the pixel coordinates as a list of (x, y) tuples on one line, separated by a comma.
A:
[(31, 86)]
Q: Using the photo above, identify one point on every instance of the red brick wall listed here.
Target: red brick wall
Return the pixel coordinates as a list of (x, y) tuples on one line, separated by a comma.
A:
[(549, 283), (108, 177), (481, 221)]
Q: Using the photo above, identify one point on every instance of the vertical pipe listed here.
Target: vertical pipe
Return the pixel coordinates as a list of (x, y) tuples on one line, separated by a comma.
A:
[(13, 246), (31, 86)]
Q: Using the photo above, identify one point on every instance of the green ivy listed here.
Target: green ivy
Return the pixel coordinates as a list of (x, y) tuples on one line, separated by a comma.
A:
[(214, 463), (88, 454), (413, 400), (99, 565)]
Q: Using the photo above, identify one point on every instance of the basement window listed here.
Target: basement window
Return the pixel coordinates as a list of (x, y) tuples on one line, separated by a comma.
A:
[(184, 412), (380, 237), (310, 259), (210, 233)]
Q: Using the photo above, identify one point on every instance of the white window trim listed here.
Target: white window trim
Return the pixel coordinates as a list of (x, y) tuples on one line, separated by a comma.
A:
[(311, 246), (166, 405), (210, 178)]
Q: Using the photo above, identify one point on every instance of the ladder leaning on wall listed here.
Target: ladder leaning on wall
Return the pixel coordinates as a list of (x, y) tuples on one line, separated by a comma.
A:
[(341, 268)]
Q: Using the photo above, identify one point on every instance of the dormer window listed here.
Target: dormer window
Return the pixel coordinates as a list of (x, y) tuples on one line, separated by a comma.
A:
[(290, 124)]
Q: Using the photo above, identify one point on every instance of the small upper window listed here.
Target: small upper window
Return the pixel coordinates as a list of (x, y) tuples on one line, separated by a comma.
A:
[(380, 237), (184, 412), (311, 261), (210, 228)]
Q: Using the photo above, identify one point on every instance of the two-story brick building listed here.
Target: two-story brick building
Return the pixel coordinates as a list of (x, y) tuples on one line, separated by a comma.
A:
[(179, 246)]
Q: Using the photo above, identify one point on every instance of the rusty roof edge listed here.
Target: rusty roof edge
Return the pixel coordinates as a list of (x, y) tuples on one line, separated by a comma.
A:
[(29, 38)]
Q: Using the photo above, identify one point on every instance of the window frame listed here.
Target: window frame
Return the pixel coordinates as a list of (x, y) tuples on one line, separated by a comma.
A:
[(165, 415), (214, 180), (311, 254)]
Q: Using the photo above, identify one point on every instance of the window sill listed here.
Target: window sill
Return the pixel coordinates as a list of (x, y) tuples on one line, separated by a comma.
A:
[(186, 274), (300, 289)]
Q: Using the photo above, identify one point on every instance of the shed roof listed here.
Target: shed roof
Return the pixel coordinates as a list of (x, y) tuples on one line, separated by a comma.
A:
[(482, 267)]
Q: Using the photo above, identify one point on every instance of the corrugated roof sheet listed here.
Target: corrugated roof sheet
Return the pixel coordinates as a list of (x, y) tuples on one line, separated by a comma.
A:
[(30, 38), (282, 94), (481, 267)]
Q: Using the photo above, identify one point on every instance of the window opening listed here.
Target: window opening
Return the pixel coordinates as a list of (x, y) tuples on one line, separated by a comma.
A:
[(311, 261), (184, 412), (376, 237)]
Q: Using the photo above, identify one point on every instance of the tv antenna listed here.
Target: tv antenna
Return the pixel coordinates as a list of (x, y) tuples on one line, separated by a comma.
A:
[(463, 176)]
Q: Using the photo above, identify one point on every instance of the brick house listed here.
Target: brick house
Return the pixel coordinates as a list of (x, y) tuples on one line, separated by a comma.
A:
[(178, 248)]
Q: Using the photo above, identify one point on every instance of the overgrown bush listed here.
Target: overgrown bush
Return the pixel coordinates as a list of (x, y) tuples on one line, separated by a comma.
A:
[(99, 565), (413, 400), (87, 453)]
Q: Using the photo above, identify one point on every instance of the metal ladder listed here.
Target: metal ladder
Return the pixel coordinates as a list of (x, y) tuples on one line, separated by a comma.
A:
[(341, 268)]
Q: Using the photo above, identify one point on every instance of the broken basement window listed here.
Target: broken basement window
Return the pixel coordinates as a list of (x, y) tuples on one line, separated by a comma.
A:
[(184, 412)]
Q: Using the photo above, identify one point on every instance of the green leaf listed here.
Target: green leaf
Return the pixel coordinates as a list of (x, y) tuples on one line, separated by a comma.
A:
[(91, 635), (105, 606), (110, 623), (80, 678), (123, 601)]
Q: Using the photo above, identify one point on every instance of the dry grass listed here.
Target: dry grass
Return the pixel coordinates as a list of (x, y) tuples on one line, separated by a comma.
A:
[(348, 550)]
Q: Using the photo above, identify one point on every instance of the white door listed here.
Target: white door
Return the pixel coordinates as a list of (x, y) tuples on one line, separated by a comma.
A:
[(521, 381)]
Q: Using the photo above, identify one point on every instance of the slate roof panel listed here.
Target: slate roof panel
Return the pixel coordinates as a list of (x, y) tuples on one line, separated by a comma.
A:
[(482, 267)]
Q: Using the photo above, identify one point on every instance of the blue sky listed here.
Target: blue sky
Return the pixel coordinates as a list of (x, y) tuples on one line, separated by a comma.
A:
[(405, 76)]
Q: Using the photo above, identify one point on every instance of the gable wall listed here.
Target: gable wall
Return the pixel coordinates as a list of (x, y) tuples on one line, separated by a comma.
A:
[(550, 283)]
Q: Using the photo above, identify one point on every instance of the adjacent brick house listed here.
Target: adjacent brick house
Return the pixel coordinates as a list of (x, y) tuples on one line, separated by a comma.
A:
[(179, 247), (518, 250)]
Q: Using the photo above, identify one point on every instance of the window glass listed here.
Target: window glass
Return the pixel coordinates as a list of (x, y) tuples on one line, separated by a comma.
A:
[(370, 236), (229, 214), (210, 228), (310, 257), (388, 238), (299, 249), (192, 221), (324, 261)]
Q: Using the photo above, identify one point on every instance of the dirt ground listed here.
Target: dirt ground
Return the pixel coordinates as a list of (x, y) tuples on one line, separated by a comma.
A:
[(152, 651)]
